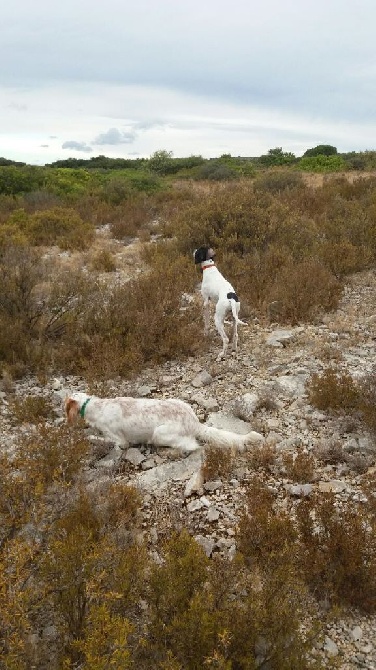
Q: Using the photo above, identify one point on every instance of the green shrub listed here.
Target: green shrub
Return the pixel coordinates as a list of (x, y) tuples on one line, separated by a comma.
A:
[(322, 163), (321, 150), (276, 157), (14, 180)]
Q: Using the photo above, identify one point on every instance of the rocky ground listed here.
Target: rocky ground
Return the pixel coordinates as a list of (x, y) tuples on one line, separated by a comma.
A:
[(263, 387)]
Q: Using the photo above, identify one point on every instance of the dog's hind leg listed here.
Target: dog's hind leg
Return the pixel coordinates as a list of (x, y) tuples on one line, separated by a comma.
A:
[(234, 339), (170, 435)]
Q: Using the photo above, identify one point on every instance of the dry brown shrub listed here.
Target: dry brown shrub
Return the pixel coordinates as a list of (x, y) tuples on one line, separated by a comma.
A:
[(329, 352), (21, 271), (262, 458), (60, 226), (130, 217), (333, 389), (266, 401), (300, 467), (118, 329), (40, 200), (264, 531), (303, 290), (338, 554), (277, 181), (103, 261), (31, 409), (360, 463), (330, 452), (343, 258), (367, 399), (218, 463), (53, 454)]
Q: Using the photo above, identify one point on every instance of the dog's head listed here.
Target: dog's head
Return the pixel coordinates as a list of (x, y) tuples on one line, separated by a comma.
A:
[(203, 254), (73, 404)]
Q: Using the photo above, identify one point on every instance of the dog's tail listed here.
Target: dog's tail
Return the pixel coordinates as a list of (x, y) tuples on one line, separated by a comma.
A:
[(226, 438)]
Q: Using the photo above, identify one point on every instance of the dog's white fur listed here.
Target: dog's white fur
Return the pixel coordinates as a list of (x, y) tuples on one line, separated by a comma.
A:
[(215, 288), (163, 423)]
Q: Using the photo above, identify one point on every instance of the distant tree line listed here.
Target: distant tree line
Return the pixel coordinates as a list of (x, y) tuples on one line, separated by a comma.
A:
[(145, 174)]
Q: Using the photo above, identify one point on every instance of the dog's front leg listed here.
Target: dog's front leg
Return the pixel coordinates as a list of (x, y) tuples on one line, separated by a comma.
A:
[(206, 316)]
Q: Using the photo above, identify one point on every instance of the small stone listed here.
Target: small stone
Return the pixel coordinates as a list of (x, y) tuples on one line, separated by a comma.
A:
[(356, 633), (330, 647), (209, 404), (202, 379), (213, 485), (194, 505), (134, 456), (148, 464), (213, 514), (207, 543), (299, 490), (112, 458), (333, 486), (194, 483), (245, 406), (143, 391)]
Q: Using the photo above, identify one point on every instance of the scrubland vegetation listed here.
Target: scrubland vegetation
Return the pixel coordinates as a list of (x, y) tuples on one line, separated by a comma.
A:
[(75, 565), (288, 246), (79, 588)]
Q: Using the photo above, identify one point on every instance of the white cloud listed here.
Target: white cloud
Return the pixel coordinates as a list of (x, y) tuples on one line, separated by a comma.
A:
[(113, 136), (76, 146)]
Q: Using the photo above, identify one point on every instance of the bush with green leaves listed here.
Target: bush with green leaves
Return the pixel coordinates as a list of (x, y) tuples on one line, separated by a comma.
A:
[(15, 180), (276, 157), (322, 163), (321, 150)]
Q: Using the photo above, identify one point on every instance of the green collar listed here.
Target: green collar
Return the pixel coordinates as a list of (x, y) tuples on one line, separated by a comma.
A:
[(82, 410)]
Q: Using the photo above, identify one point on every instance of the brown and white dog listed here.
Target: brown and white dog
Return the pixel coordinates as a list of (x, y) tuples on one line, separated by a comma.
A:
[(163, 423)]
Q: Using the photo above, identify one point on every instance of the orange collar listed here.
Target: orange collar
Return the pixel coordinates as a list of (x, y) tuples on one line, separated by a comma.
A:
[(212, 265)]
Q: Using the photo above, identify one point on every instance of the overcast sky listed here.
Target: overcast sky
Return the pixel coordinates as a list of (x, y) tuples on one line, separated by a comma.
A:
[(126, 78)]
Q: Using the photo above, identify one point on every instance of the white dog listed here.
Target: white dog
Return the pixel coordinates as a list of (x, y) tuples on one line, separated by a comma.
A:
[(163, 423), (216, 288)]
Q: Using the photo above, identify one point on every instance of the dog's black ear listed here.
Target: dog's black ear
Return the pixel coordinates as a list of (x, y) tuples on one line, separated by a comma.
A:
[(200, 255)]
